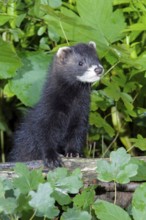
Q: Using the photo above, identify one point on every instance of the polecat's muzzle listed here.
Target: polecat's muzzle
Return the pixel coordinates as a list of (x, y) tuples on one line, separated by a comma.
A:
[(99, 70)]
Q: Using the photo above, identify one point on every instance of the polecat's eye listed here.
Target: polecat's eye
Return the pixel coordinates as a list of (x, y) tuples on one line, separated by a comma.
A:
[(81, 63)]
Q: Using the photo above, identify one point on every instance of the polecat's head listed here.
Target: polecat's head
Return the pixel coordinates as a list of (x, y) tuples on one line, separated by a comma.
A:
[(79, 62)]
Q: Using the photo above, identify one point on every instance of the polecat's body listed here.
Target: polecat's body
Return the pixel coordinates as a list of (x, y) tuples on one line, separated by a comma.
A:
[(59, 122)]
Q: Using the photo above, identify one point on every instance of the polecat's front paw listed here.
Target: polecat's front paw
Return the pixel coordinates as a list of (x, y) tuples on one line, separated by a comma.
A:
[(70, 155), (53, 160)]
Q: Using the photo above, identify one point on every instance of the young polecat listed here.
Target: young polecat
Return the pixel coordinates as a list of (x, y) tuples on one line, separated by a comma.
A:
[(59, 122)]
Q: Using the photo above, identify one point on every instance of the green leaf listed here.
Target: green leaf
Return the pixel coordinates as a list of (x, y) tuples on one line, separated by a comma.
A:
[(139, 142), (30, 77), (41, 30), (2, 191), (9, 61), (27, 180), (106, 211), (74, 214), (139, 203), (102, 18), (53, 35), (61, 197), (98, 121), (55, 3), (42, 201), (119, 158), (85, 199), (113, 91), (5, 18), (99, 100), (141, 174), (119, 169), (127, 99), (65, 182), (8, 205), (96, 26)]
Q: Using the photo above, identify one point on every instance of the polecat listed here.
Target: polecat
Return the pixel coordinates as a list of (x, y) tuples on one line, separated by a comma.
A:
[(59, 122)]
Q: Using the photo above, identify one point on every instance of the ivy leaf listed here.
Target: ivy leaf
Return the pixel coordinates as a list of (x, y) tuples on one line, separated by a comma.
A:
[(74, 214), (139, 203), (42, 201), (119, 169), (105, 211)]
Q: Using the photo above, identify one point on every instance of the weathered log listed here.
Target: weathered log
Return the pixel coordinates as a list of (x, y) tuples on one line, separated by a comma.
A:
[(87, 166)]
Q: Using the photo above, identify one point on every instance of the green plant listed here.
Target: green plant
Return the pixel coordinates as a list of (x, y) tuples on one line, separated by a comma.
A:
[(62, 194), (31, 29)]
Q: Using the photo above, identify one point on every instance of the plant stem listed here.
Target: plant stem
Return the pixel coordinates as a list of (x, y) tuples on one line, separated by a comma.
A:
[(2, 146), (33, 215), (117, 135), (115, 186), (63, 32)]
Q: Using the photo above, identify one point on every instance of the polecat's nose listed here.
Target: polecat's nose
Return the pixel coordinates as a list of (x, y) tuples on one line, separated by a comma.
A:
[(99, 70)]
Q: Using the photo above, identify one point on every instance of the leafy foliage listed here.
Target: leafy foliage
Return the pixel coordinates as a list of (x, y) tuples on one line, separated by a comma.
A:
[(31, 29), (30, 77), (62, 195), (139, 202), (105, 210), (28, 31), (42, 202), (119, 169)]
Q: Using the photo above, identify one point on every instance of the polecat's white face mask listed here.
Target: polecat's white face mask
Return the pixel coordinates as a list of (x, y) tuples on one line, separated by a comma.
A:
[(92, 74)]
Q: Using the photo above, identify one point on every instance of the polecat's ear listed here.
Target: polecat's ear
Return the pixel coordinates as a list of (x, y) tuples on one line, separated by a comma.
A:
[(63, 53), (92, 44)]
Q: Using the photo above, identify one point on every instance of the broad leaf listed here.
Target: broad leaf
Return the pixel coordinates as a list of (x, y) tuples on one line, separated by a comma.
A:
[(141, 174), (119, 169), (102, 18), (8, 205), (106, 211), (30, 78), (42, 201), (98, 121), (85, 199), (9, 60), (5, 18), (64, 183), (27, 180), (139, 142), (139, 203), (75, 214)]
